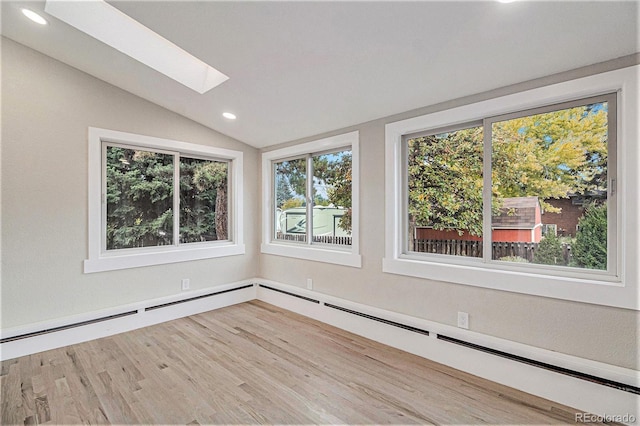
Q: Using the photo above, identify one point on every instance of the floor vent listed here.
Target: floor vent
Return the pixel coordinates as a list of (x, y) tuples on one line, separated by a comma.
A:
[(554, 368), (164, 305), (382, 320), (290, 294), (66, 327)]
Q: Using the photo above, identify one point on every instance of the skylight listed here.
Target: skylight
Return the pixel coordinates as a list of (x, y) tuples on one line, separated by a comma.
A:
[(109, 25), (34, 16)]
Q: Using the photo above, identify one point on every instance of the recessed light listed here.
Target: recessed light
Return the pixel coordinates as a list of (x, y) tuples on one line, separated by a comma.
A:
[(104, 22), (229, 115), (34, 16)]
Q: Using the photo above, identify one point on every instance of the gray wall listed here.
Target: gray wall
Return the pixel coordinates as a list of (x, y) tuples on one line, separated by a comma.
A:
[(594, 332), (46, 109)]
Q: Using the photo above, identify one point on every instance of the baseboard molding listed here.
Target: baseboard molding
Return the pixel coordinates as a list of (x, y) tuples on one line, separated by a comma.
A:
[(48, 335), (575, 392), (431, 340)]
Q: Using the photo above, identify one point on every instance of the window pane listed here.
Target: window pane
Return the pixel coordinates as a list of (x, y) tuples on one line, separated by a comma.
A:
[(332, 198), (444, 176), (290, 196), (549, 186), (139, 198), (203, 200)]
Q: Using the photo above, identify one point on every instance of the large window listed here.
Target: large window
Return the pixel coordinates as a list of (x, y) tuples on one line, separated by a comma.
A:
[(325, 216), (139, 198), (444, 192), (142, 192), (311, 208), (160, 201), (290, 215), (548, 173), (552, 166), (521, 193)]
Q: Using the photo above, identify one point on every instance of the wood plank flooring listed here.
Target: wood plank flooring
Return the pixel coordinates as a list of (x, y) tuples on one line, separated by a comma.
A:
[(253, 363)]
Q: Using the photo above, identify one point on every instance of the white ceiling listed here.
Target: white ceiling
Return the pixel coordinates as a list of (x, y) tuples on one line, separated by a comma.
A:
[(298, 69)]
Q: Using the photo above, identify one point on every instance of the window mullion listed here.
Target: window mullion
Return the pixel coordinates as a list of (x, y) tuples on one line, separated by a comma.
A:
[(176, 199), (309, 190), (613, 229), (407, 234), (487, 237), (273, 232)]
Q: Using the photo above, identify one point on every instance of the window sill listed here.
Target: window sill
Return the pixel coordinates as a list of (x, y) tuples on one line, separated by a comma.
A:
[(608, 291), (136, 260), (318, 254)]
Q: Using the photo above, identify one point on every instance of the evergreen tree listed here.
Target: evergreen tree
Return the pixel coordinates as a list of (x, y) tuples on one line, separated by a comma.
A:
[(139, 199), (549, 251), (197, 203), (590, 248), (211, 176), (283, 190)]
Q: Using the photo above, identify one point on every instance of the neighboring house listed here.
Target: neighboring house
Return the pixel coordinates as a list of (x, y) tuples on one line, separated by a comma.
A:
[(572, 209), (566, 220), (520, 220), (325, 221)]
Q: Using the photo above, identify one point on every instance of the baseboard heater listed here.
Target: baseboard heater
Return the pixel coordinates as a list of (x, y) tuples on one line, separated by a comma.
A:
[(540, 364), (191, 299), (111, 317), (66, 327), (308, 299), (567, 372), (382, 320)]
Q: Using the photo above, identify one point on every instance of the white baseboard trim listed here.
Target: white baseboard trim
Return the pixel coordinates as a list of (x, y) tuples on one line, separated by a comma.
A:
[(141, 315), (571, 391)]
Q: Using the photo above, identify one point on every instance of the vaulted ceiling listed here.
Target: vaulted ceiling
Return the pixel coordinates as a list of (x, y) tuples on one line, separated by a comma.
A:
[(302, 68)]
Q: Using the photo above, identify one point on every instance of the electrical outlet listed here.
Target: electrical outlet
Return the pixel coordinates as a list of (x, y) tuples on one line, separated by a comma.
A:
[(309, 284), (185, 284), (463, 320)]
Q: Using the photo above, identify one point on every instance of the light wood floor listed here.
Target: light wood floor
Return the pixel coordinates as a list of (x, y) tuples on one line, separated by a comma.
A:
[(253, 363)]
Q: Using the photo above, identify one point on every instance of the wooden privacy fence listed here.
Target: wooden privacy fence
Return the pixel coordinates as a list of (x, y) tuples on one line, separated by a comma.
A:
[(325, 239), (455, 247), (522, 250), (474, 249)]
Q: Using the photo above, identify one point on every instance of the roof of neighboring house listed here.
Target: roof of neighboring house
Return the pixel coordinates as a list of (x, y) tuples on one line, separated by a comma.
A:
[(516, 213)]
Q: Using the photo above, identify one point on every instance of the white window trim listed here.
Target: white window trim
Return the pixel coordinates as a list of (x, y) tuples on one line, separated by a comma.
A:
[(621, 290), (99, 261), (347, 256)]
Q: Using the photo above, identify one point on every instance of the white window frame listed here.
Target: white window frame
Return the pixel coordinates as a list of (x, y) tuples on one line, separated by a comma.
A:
[(619, 288), (610, 274), (336, 254), (100, 259)]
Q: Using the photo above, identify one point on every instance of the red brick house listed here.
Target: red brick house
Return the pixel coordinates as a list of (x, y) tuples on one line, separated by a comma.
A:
[(572, 209), (566, 220)]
